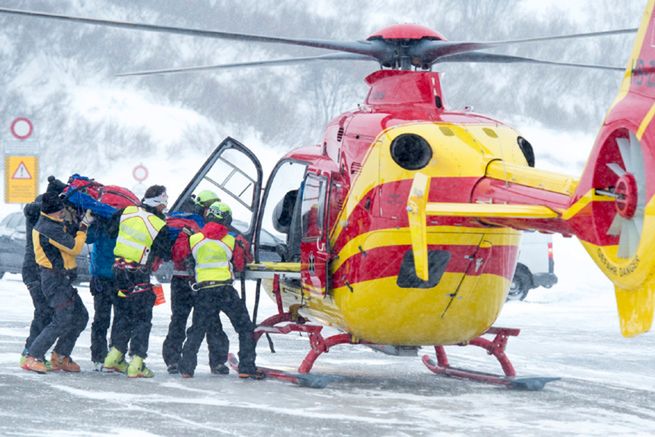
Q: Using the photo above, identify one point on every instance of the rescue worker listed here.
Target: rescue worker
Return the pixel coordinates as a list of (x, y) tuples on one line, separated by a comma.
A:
[(141, 236), (102, 289), (182, 297), (214, 256), (198, 203), (31, 274), (55, 252)]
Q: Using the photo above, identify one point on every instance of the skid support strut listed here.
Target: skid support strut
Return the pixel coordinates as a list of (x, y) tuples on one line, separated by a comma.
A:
[(317, 342), (495, 347)]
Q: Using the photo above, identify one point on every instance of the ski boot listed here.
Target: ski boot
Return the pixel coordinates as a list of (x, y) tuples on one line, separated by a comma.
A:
[(63, 362), (257, 374), (35, 365), (115, 361), (220, 369), (138, 369)]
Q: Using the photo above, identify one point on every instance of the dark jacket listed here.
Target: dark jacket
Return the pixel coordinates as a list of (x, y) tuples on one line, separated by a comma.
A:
[(30, 269), (177, 222), (54, 247)]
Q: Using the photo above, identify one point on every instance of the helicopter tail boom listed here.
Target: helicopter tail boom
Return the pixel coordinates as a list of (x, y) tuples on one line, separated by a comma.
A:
[(620, 234), (611, 209)]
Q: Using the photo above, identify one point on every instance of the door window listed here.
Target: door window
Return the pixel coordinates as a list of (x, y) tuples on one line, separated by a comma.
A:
[(312, 210), (280, 229), (234, 174)]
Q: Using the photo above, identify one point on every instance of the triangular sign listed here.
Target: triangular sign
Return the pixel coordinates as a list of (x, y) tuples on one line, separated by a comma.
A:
[(21, 172)]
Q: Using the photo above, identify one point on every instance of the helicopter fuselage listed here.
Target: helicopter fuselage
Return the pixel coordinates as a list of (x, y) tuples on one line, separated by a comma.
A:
[(370, 289)]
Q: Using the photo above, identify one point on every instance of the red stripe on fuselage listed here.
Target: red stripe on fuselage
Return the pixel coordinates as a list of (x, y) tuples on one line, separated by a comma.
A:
[(385, 261)]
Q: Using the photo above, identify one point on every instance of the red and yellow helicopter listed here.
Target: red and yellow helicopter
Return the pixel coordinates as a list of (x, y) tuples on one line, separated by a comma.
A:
[(401, 227)]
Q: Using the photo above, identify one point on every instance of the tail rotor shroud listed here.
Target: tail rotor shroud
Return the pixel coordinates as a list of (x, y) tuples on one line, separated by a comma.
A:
[(630, 192)]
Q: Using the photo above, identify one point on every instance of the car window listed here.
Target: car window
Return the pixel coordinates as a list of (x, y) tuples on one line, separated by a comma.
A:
[(21, 223), (15, 220), (5, 220), (265, 237)]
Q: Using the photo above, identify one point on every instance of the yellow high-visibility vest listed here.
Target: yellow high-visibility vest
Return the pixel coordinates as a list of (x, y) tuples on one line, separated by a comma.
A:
[(213, 257), (136, 233)]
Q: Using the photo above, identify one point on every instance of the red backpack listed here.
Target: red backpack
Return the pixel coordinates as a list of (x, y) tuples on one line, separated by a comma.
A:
[(84, 185), (118, 197)]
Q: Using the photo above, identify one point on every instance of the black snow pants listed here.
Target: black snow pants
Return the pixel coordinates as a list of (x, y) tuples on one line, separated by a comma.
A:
[(133, 318), (183, 300), (69, 315), (42, 312), (104, 298), (205, 314)]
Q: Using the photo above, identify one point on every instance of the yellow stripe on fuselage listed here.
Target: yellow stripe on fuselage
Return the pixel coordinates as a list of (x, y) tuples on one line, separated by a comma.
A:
[(583, 202), (532, 177), (636, 50), (645, 122)]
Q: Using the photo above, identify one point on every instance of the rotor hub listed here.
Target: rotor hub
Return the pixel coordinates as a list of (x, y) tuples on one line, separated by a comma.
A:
[(406, 32), (626, 202)]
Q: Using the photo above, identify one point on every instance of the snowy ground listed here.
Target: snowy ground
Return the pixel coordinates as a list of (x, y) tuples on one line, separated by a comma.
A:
[(571, 331), (607, 386)]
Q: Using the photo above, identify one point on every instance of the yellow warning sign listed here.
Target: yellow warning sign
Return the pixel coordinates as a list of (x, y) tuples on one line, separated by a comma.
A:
[(21, 178)]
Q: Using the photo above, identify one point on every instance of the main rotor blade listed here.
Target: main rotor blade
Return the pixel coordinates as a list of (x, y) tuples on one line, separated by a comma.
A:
[(494, 58), (269, 63), (360, 47), (431, 51)]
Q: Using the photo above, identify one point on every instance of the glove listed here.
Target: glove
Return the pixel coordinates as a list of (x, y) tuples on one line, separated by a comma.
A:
[(88, 218)]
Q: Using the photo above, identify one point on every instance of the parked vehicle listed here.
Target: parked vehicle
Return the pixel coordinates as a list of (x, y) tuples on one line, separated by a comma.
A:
[(535, 266), (12, 248)]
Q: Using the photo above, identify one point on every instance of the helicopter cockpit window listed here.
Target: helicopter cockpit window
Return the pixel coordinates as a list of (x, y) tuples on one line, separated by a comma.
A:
[(230, 178), (411, 151), (313, 207), (527, 150)]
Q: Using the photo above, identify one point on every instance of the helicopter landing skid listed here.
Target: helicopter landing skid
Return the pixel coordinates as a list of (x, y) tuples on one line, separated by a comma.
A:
[(317, 342), (495, 347)]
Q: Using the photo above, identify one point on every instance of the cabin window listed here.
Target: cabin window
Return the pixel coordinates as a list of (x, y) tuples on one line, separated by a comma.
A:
[(280, 232), (527, 150), (231, 178), (313, 207)]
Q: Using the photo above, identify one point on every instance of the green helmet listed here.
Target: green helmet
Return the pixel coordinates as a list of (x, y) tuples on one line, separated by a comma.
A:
[(205, 198), (220, 212)]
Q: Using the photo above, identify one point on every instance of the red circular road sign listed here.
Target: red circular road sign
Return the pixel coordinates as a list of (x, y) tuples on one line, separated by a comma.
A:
[(140, 173), (21, 128)]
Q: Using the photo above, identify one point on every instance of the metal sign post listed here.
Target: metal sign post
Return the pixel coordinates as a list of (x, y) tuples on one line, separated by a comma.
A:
[(21, 163)]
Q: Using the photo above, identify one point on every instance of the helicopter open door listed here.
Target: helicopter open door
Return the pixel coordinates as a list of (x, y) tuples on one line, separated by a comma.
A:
[(234, 173), (315, 250)]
